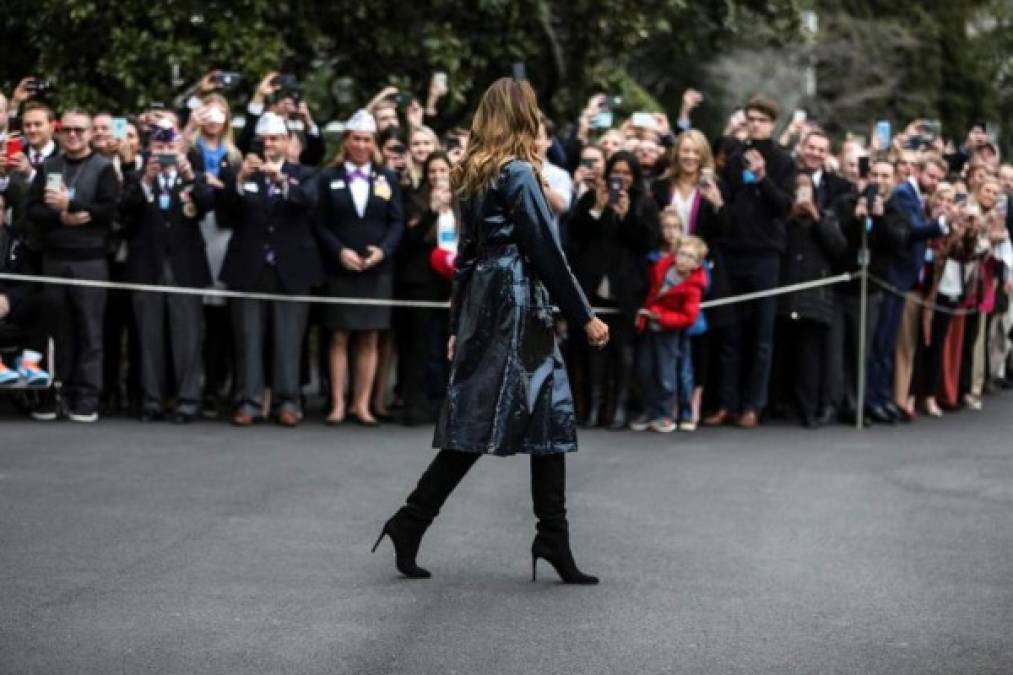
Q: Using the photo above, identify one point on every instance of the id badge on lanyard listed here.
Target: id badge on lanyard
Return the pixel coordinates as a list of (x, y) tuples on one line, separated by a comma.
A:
[(164, 201)]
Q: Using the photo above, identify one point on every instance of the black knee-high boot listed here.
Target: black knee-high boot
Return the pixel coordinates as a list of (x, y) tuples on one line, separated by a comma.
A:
[(552, 543), (407, 526)]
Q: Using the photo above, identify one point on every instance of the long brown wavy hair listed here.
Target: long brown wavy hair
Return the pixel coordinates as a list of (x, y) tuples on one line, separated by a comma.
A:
[(505, 127)]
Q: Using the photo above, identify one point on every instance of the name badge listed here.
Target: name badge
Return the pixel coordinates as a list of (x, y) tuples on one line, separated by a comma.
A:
[(381, 189), (164, 201), (337, 184), (251, 187)]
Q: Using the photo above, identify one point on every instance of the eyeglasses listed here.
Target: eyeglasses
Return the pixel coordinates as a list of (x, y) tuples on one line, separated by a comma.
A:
[(74, 130), (758, 119)]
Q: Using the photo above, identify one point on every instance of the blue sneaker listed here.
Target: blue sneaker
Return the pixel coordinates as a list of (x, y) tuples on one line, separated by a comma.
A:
[(30, 373), (9, 377)]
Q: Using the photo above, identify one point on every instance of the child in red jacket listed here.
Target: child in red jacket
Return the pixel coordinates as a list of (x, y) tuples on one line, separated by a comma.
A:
[(678, 282)]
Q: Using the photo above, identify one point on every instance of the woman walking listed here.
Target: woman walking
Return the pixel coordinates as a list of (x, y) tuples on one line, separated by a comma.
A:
[(508, 391)]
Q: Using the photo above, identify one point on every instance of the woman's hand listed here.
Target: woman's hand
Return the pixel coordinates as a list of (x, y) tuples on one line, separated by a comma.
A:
[(709, 191), (597, 332)]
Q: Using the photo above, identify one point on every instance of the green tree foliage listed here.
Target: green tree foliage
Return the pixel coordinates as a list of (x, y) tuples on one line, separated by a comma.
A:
[(943, 59)]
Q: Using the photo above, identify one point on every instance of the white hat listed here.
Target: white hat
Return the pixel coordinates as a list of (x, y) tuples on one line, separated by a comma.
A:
[(271, 124), (362, 120)]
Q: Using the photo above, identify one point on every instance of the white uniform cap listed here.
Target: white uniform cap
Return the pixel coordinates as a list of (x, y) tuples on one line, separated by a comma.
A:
[(362, 120), (271, 124)]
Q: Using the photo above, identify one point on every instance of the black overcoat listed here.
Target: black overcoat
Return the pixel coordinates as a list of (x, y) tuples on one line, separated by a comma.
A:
[(508, 391)]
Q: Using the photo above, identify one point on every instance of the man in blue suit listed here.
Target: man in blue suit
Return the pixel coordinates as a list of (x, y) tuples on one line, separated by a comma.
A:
[(909, 197)]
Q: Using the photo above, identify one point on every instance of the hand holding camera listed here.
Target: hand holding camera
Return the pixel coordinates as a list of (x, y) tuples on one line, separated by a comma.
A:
[(185, 168), (251, 165), (57, 197), (272, 171), (151, 170)]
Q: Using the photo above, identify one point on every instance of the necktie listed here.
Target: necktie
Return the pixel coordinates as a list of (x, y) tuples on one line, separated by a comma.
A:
[(358, 174), (36, 159)]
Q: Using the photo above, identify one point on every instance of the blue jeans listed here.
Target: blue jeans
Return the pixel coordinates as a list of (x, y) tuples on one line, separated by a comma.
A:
[(659, 371), (685, 358)]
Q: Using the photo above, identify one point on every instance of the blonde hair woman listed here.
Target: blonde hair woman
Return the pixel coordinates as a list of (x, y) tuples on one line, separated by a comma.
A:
[(508, 392)]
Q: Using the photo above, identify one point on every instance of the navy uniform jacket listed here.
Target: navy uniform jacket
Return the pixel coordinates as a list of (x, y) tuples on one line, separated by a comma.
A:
[(154, 235), (339, 225), (268, 225)]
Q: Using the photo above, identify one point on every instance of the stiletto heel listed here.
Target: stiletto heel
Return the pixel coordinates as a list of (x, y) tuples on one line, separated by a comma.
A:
[(383, 533)]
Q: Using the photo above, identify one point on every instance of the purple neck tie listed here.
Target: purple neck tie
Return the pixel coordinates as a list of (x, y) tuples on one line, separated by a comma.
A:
[(358, 174)]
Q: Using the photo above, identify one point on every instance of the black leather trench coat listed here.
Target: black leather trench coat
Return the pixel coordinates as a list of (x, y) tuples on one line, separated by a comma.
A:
[(508, 391)]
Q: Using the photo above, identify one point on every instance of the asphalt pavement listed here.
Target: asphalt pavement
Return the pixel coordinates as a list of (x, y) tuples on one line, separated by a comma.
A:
[(152, 548)]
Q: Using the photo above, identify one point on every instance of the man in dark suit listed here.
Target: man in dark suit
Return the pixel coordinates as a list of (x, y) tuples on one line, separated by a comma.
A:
[(905, 266), (271, 203), (161, 210)]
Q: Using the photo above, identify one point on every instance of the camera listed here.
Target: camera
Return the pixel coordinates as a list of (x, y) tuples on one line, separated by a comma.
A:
[(285, 81), (166, 159), (613, 103), (228, 79), (38, 86), (615, 187), (452, 143), (257, 147)]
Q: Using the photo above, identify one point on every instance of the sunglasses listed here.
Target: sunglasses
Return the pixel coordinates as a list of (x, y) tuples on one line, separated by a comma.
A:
[(73, 130)]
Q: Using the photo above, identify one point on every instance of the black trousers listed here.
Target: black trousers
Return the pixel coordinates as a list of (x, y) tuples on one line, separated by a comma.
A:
[(218, 352), (79, 340), (422, 336), (928, 371), (750, 332), (121, 354), (844, 337), (808, 341)]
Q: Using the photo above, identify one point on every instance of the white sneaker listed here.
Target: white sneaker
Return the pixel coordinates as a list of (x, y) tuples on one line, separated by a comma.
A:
[(663, 425), (972, 402), (83, 417), (687, 426), (640, 424)]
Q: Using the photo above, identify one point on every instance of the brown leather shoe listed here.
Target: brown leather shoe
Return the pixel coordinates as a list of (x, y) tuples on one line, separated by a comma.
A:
[(288, 418), (242, 419), (717, 419), (748, 420)]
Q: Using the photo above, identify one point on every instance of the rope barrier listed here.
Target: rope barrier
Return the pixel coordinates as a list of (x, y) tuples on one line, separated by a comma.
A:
[(421, 304), (935, 307)]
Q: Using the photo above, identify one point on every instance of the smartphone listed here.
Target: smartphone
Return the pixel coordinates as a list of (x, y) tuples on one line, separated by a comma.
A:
[(257, 148), (613, 102), (960, 198), (440, 79), (884, 134), (166, 159), (119, 128), (13, 147), (227, 79), (285, 81), (602, 120), (587, 162), (54, 181), (707, 175), (520, 71), (644, 120), (804, 194), (404, 99), (863, 167), (615, 187), (799, 116)]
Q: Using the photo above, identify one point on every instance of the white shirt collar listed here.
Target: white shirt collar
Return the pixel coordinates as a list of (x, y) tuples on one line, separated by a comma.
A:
[(817, 177), (366, 168), (914, 184), (47, 149)]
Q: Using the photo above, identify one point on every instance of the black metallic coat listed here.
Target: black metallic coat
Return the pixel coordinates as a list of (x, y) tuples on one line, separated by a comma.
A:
[(508, 391)]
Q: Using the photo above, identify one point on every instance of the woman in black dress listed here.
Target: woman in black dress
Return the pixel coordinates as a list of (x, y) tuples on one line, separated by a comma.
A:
[(359, 225), (508, 391)]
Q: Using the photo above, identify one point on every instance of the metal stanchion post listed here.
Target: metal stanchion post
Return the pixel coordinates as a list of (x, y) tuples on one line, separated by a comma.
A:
[(863, 326)]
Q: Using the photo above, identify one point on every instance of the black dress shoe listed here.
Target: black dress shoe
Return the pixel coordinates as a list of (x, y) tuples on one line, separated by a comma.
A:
[(811, 422), (182, 417), (879, 414), (826, 416), (152, 416), (896, 413)]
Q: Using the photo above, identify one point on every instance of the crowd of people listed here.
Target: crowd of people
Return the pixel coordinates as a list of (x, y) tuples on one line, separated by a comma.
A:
[(655, 219)]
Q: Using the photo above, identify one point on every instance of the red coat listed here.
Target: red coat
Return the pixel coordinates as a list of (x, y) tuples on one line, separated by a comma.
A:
[(678, 307)]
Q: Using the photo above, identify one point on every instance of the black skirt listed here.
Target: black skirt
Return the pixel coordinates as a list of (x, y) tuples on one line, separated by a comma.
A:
[(373, 285)]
